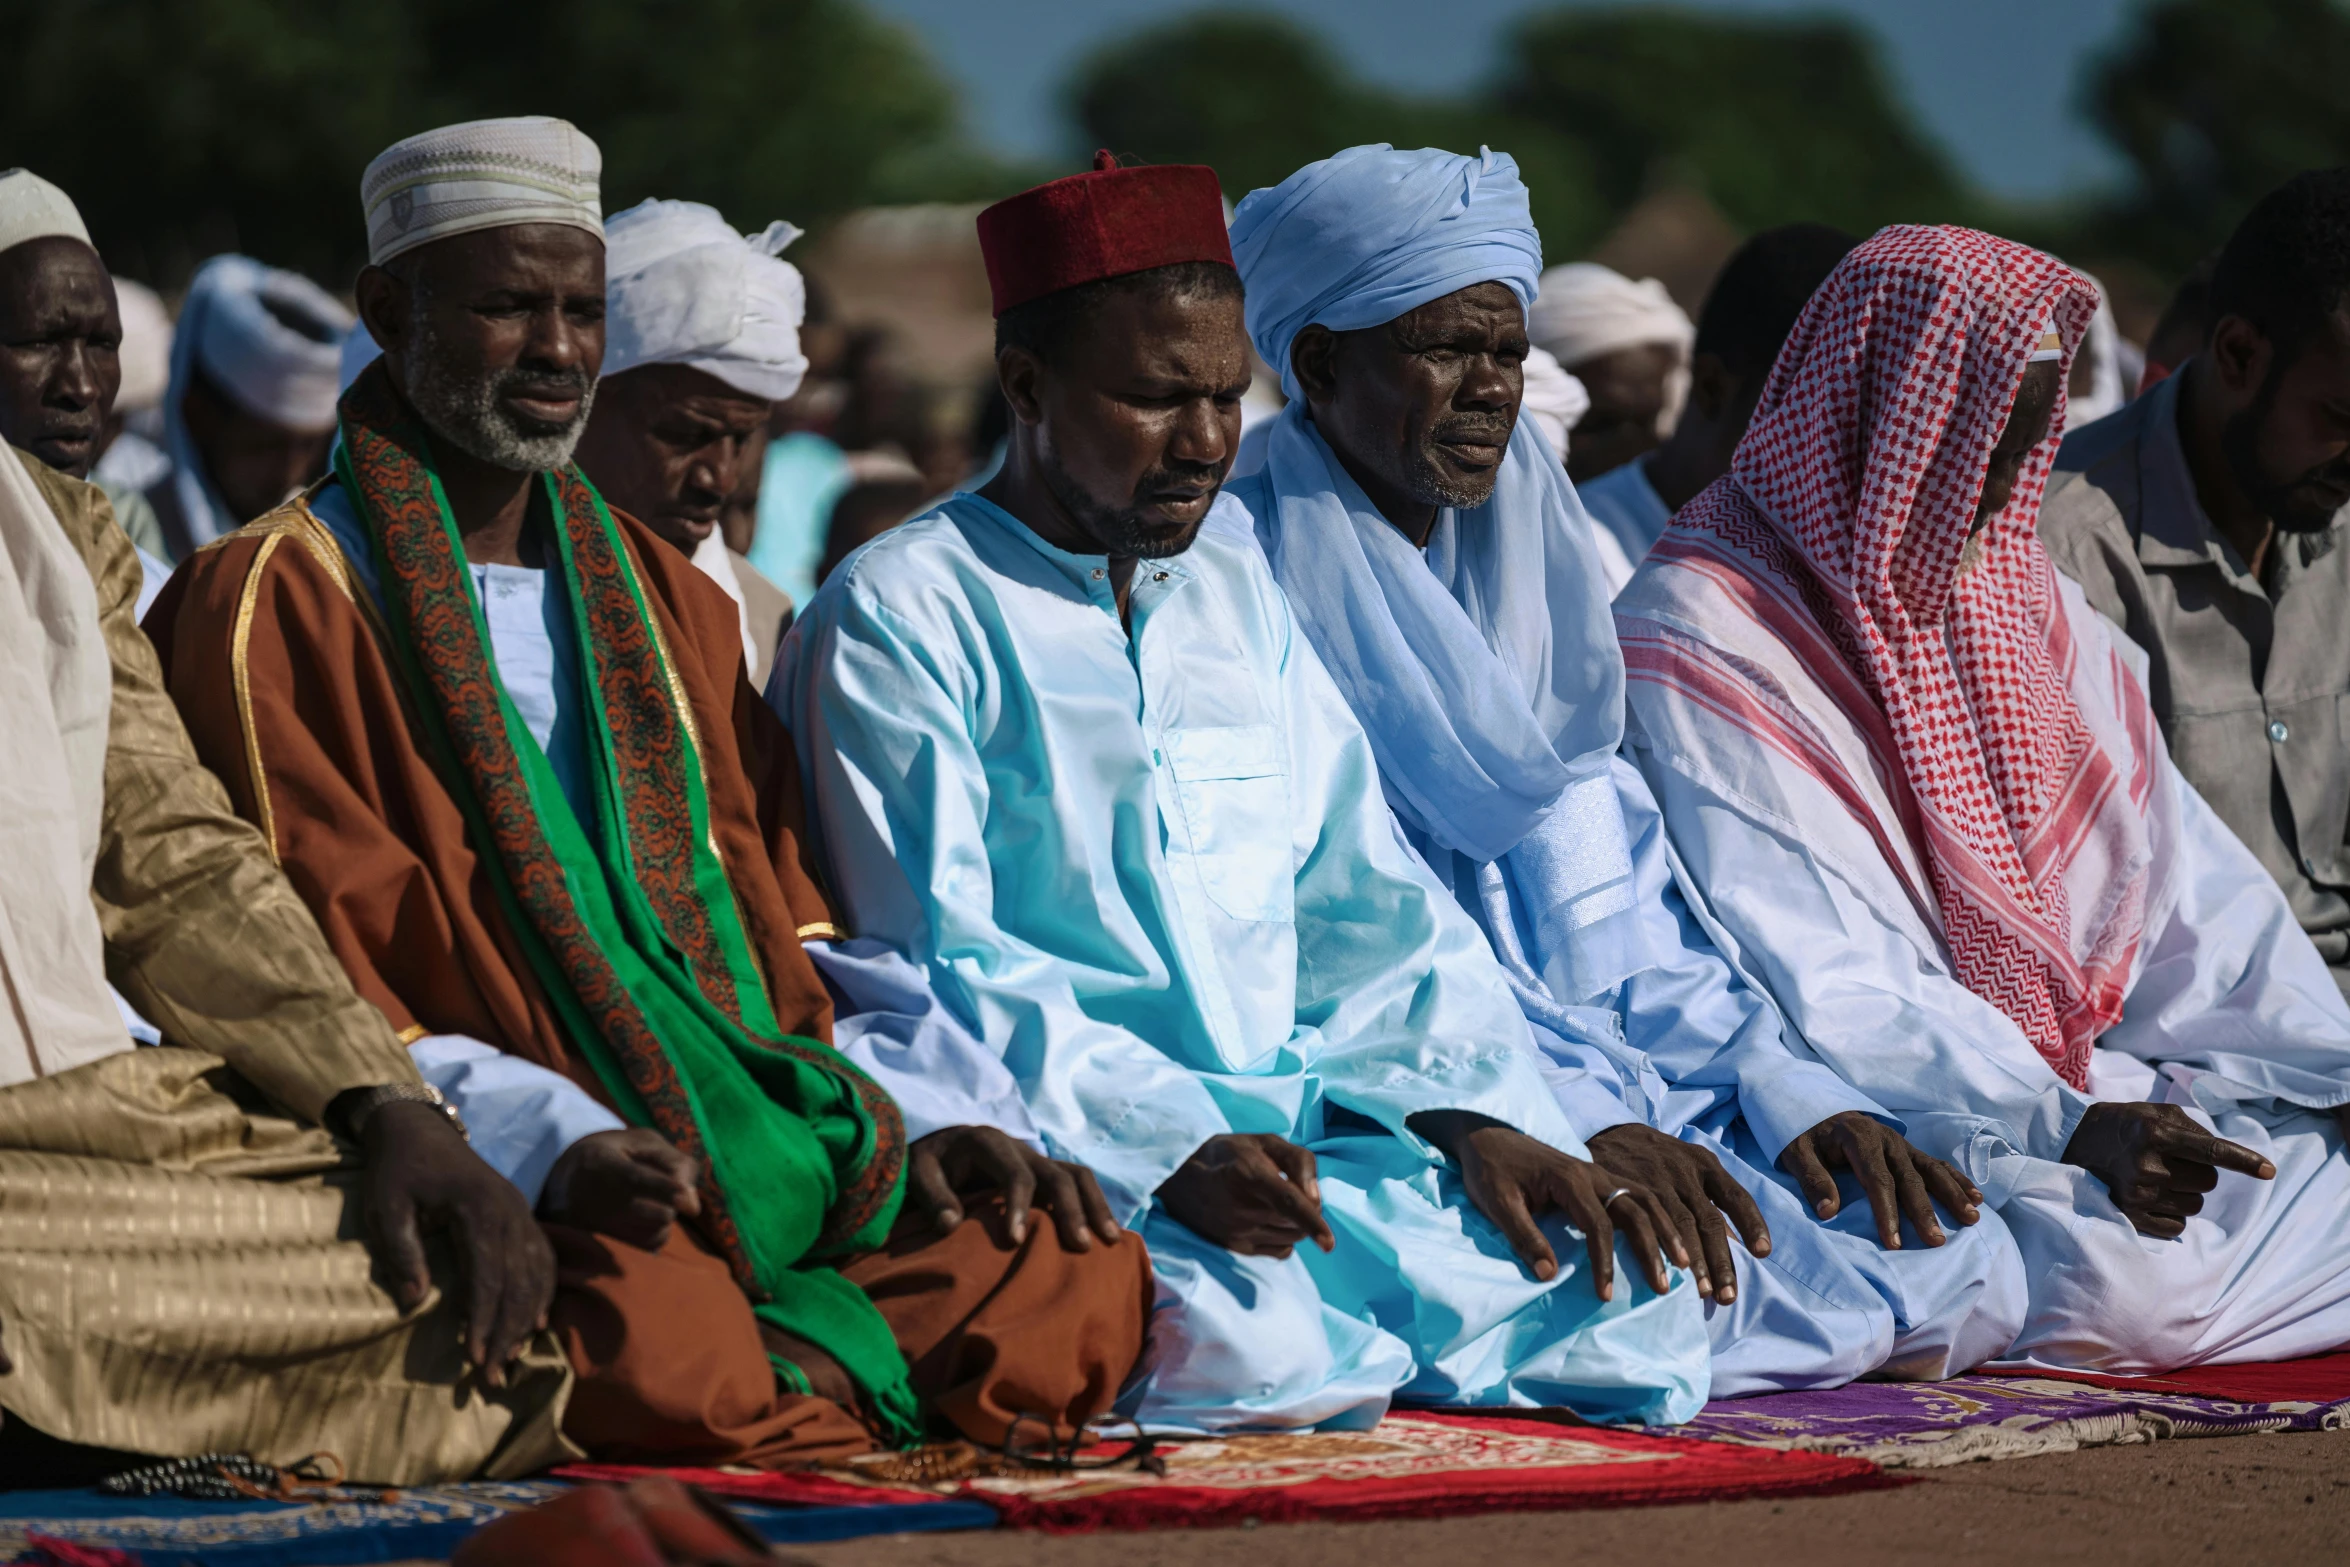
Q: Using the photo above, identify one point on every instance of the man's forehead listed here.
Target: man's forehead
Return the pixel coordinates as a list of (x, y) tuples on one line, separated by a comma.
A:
[(1480, 307), (54, 276), (523, 255), (1171, 336)]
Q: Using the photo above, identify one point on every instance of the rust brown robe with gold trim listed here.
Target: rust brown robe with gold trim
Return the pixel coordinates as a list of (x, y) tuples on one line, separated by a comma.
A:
[(274, 653)]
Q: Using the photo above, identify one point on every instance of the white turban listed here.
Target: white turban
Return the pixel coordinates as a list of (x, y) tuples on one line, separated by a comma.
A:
[(681, 287), (146, 347), (269, 342), (1585, 310), (1553, 399), (32, 208), (484, 174)]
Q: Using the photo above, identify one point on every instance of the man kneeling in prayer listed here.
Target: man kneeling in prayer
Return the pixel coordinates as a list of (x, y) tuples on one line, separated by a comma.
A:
[(181, 1269), (501, 739), (1918, 781), (1072, 754), (1439, 563)]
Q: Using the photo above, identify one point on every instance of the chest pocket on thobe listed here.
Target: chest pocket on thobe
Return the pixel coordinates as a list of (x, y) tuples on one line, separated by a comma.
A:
[(1234, 795)]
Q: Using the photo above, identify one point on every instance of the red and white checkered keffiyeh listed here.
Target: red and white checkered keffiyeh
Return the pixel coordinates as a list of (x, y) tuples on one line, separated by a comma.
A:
[(1840, 529)]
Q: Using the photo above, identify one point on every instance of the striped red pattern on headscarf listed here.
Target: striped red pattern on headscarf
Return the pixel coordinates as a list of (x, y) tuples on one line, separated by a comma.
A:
[(1841, 528)]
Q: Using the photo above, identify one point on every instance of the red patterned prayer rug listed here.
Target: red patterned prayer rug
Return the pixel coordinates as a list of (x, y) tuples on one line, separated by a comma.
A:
[(1421, 1465)]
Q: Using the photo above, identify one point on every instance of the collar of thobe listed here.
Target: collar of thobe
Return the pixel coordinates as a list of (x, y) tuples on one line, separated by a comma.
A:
[(1089, 574)]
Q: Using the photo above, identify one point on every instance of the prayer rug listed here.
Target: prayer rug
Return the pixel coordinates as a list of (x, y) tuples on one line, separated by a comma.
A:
[(2021, 1412), (424, 1522), (1419, 1465)]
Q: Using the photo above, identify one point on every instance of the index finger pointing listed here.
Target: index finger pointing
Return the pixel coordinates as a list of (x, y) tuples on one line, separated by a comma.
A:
[(2237, 1157), (2189, 1141)]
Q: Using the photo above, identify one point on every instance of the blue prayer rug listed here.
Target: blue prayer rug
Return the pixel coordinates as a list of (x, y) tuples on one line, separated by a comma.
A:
[(427, 1522)]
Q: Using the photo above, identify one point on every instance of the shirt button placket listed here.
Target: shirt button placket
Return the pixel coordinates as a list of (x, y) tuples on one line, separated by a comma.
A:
[(2279, 731)]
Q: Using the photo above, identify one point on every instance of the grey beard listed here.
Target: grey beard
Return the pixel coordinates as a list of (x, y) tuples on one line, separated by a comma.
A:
[(1426, 482), (467, 414)]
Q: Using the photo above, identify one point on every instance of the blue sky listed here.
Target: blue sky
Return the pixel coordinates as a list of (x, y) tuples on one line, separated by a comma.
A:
[(1993, 79)]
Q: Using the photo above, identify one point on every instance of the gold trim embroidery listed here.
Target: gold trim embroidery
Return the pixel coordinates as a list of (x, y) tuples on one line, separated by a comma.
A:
[(243, 677), (823, 930), (412, 1033)]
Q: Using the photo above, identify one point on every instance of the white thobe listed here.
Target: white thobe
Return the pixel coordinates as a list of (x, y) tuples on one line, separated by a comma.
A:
[(2230, 1014)]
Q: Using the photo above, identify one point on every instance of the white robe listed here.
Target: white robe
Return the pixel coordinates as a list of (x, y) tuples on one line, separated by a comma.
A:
[(56, 691), (2230, 1013)]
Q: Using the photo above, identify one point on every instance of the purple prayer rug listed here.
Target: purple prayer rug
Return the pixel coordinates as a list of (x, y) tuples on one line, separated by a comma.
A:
[(2015, 1414)]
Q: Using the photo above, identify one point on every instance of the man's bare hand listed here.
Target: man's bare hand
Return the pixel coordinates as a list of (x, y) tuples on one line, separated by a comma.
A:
[(1697, 1195), (631, 1185), (1249, 1192), (1515, 1180), (2157, 1162), (419, 1175), (1899, 1180), (968, 1161)]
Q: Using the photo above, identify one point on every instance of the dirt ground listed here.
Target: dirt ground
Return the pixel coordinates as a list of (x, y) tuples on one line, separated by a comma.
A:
[(2247, 1501)]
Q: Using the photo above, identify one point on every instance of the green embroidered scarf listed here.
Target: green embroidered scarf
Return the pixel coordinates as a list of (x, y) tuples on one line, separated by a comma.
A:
[(629, 922)]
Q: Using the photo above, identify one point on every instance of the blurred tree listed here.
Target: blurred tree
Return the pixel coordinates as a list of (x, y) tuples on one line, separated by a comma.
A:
[(184, 127), (2216, 102), (1777, 120), (1256, 98)]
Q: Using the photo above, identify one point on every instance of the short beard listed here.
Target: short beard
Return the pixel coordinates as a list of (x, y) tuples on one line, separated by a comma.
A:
[(1122, 531), (1425, 479), (466, 411), (2240, 442)]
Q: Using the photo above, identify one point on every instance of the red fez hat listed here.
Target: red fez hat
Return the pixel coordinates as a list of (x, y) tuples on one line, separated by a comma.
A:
[(1101, 224)]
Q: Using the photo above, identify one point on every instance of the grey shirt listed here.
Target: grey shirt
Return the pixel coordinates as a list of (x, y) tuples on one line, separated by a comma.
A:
[(2250, 678)]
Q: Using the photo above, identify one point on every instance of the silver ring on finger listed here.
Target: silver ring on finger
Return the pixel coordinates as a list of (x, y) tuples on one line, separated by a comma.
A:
[(1609, 1201)]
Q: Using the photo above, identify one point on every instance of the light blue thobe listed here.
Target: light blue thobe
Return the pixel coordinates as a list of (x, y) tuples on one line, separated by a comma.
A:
[(1688, 1048), (1153, 871)]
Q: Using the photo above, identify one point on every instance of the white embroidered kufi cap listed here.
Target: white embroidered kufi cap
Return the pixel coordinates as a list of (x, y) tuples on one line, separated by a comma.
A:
[(32, 208), (484, 174)]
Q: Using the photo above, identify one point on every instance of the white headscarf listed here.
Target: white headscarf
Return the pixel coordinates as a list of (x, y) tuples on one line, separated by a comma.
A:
[(1553, 399), (1586, 310), (682, 287), (269, 341), (146, 347), (32, 208), (483, 174), (56, 691)]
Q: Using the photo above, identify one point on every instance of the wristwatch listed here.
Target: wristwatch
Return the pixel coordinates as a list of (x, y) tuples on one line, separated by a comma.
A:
[(360, 1104)]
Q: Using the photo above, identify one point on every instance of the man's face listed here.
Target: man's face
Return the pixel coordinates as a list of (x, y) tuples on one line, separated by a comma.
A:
[(667, 444), (2288, 446), (1137, 422), (254, 462), (496, 338), (1628, 390), (60, 340), (2027, 426), (1427, 402)]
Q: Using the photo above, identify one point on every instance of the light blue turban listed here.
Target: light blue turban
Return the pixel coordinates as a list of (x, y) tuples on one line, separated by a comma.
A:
[(1484, 668), (1360, 238)]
